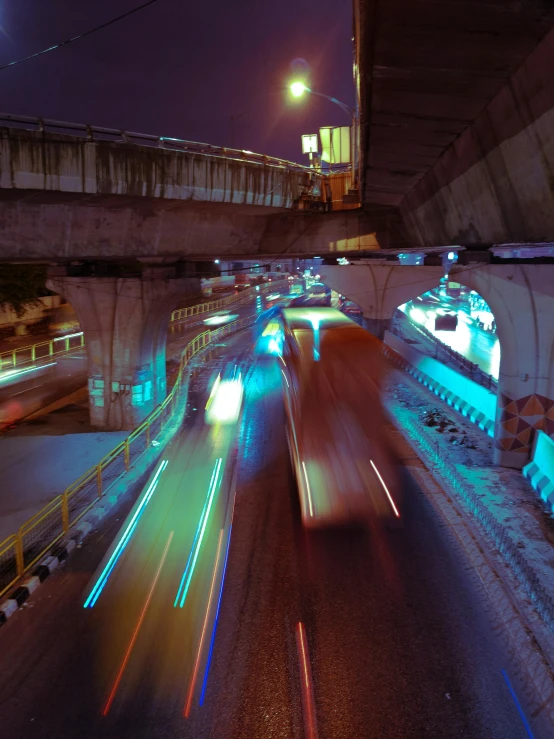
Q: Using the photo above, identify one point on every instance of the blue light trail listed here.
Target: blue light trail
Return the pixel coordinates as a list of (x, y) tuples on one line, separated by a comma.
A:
[(118, 551), (205, 683)]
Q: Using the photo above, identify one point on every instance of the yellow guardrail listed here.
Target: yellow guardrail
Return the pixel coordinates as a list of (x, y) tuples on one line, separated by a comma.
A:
[(65, 344), (42, 350), (19, 552)]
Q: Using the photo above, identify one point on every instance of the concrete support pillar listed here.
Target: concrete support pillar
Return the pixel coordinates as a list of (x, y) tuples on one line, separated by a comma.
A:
[(376, 326), (379, 288), (125, 322), (522, 300)]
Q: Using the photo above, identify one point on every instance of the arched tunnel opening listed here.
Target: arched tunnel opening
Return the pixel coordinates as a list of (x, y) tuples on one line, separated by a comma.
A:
[(455, 325)]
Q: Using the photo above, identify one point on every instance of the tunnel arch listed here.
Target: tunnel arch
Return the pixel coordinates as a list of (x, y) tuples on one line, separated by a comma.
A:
[(521, 296)]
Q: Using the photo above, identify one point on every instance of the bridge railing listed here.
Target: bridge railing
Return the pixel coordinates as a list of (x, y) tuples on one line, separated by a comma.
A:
[(43, 350), (100, 133), (21, 551)]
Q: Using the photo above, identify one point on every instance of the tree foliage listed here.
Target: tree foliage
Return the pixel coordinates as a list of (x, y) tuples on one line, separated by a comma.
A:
[(21, 285)]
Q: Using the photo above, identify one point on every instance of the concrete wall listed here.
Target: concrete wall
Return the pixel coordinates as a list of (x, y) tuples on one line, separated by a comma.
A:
[(495, 183), (31, 160), (466, 396), (33, 314)]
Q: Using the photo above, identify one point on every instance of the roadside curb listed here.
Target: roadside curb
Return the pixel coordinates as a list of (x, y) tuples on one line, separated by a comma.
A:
[(459, 404), (443, 471)]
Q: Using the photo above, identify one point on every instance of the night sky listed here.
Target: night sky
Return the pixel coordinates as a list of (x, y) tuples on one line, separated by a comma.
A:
[(181, 68)]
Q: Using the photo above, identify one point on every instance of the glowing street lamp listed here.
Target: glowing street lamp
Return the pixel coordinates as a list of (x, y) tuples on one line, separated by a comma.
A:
[(298, 89)]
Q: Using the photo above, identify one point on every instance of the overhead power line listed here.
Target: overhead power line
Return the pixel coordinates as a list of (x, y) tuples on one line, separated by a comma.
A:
[(81, 35)]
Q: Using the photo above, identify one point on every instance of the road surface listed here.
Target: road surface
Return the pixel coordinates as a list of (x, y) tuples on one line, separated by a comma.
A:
[(395, 640)]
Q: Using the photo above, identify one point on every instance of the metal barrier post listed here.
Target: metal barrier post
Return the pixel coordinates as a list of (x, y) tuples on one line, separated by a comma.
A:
[(33, 352), (50, 348), (65, 513), (83, 339), (99, 479), (67, 344), (13, 358), (19, 561), (127, 455), (148, 434)]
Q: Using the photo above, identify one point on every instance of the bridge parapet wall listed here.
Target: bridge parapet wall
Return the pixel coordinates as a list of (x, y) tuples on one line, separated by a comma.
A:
[(54, 162)]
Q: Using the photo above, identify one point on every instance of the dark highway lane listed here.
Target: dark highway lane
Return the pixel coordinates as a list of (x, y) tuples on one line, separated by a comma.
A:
[(399, 640)]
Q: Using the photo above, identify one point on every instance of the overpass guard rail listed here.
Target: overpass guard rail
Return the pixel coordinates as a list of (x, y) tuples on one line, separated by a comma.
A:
[(100, 133)]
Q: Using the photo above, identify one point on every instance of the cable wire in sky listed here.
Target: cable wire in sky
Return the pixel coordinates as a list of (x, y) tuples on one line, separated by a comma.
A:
[(81, 35)]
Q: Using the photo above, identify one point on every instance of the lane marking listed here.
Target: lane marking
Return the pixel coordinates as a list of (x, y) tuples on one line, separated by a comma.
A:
[(308, 703), (188, 704), (205, 683), (308, 490), (189, 569), (118, 551), (196, 535), (518, 706), (394, 508), (136, 631)]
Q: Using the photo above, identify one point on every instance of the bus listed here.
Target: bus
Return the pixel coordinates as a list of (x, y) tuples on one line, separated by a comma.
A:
[(331, 373)]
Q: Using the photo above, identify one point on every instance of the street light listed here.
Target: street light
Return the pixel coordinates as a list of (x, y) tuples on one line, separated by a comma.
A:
[(298, 88)]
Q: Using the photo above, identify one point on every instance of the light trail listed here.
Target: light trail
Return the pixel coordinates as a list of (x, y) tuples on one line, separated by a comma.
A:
[(188, 704), (518, 705), (308, 489), (196, 535), (136, 632), (205, 683), (118, 551), (394, 508), (11, 374), (308, 703), (189, 569)]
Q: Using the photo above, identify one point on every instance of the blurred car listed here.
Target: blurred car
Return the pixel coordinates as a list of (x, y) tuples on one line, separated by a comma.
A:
[(446, 319), (224, 404), (351, 309), (268, 332)]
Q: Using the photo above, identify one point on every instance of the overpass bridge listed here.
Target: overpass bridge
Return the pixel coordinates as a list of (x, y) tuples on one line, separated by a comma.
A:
[(76, 192), (455, 105)]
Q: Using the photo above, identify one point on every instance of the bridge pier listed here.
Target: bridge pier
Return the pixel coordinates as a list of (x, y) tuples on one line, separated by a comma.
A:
[(522, 300), (379, 288), (521, 297), (125, 322)]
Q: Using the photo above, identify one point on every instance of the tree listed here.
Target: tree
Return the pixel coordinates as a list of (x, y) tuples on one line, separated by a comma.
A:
[(21, 286)]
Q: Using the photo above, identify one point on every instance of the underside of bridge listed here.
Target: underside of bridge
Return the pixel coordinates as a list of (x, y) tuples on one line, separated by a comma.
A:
[(456, 117)]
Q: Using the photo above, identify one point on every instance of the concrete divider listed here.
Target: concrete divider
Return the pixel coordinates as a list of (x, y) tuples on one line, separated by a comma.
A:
[(463, 394), (540, 470)]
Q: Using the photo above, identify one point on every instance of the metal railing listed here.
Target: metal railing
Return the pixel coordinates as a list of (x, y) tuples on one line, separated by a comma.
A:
[(66, 344), (43, 350), (401, 322), (99, 133), (19, 552)]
